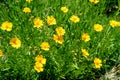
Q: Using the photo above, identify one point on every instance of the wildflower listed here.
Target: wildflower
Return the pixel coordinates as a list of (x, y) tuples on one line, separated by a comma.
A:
[(1, 53), (98, 27), (45, 46), (84, 52), (40, 59), (94, 1), (85, 37), (97, 62), (58, 38), (26, 10), (15, 42), (51, 20), (64, 9), (74, 19), (38, 23), (7, 26), (114, 23), (60, 31), (28, 1), (38, 67)]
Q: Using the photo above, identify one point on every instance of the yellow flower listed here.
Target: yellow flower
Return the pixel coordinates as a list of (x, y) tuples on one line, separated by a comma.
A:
[(38, 67), (38, 23), (97, 62), (40, 59), (58, 38), (45, 46), (60, 31), (84, 52), (51, 20), (114, 23), (28, 1), (74, 18), (1, 53), (26, 10), (98, 27), (15, 42), (94, 1), (7, 26), (64, 9), (39, 64), (85, 37)]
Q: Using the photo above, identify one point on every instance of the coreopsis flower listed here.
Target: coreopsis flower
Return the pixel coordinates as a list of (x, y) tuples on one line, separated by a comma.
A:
[(85, 37), (64, 9), (27, 10), (84, 52), (38, 23), (97, 62), (74, 18), (94, 1), (1, 53), (45, 46), (98, 27), (15, 43), (38, 67), (40, 59), (28, 1), (51, 20), (60, 31), (58, 38), (6, 26), (114, 23)]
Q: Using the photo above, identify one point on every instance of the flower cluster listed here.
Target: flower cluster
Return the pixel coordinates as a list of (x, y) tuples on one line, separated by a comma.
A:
[(59, 37), (40, 61), (114, 23)]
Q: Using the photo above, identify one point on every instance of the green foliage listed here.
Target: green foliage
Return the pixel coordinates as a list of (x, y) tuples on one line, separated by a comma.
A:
[(64, 61)]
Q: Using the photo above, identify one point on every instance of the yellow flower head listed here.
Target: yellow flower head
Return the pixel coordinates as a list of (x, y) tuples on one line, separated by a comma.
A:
[(7, 26), (40, 59), (38, 23), (51, 20), (15, 42), (45, 46), (64, 9), (60, 31), (94, 1), (39, 64), (98, 27), (85, 37), (114, 23), (1, 53), (97, 62), (28, 1), (84, 52), (74, 18), (58, 38), (38, 67), (26, 10)]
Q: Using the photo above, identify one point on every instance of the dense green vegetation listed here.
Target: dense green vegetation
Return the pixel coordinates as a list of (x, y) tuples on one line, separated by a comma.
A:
[(70, 44)]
